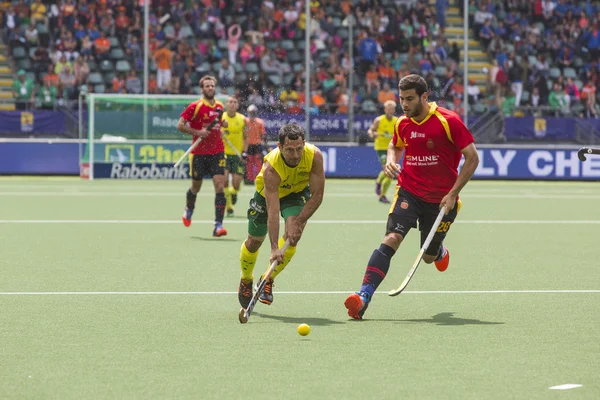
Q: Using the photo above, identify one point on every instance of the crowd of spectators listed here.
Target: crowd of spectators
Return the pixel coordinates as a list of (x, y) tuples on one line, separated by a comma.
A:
[(546, 54), (254, 47)]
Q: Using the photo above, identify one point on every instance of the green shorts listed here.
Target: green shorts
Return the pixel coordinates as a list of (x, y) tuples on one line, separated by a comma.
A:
[(290, 206), (382, 156), (234, 164)]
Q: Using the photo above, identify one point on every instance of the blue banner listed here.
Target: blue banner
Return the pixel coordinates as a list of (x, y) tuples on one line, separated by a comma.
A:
[(33, 158), (27, 123), (360, 161)]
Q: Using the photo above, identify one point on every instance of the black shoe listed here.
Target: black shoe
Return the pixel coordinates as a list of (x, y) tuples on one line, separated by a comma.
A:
[(234, 199), (245, 293), (266, 297)]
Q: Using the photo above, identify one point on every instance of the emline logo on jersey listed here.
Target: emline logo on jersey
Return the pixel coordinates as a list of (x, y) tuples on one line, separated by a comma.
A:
[(422, 161)]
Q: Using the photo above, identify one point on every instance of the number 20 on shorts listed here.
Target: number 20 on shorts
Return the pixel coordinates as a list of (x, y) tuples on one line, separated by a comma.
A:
[(444, 226)]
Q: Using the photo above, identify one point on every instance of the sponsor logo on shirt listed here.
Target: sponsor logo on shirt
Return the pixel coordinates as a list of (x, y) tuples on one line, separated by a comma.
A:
[(414, 135), (422, 161)]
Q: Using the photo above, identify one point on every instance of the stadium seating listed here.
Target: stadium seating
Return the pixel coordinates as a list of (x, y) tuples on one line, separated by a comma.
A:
[(264, 42)]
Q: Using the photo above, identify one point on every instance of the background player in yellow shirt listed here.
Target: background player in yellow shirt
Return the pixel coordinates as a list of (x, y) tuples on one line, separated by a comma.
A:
[(291, 182), (235, 138), (382, 131)]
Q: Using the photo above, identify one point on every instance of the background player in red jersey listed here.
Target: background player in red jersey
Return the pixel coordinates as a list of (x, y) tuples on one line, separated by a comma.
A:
[(433, 141), (208, 156)]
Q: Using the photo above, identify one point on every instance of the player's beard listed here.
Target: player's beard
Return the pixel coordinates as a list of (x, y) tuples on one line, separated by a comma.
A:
[(416, 111), (208, 95)]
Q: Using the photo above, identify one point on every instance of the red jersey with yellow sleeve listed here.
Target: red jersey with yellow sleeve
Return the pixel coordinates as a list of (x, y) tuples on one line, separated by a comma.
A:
[(432, 152), (200, 114)]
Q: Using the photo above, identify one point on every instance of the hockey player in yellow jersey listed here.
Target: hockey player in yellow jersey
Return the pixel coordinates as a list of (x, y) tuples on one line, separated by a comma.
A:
[(291, 183), (382, 131), (235, 139)]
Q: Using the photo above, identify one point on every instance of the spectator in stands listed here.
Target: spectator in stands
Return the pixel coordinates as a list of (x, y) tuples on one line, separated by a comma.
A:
[(588, 97), (508, 104), (133, 84), (47, 96), (102, 46), (163, 58), (233, 35), (368, 51), (23, 91), (41, 59), (473, 92), (67, 82), (226, 73), (372, 80), (82, 71), (386, 94), (557, 100), (62, 62), (515, 77), (31, 34)]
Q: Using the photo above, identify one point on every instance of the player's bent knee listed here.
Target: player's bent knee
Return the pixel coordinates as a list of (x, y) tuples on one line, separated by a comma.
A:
[(253, 243), (393, 240)]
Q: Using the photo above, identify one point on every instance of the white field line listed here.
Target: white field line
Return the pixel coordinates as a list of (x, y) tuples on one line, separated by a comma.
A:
[(565, 386), (550, 291), (517, 196), (317, 221)]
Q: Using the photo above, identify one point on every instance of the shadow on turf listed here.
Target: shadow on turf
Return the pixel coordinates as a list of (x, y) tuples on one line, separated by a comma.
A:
[(447, 318), (294, 320), (215, 239)]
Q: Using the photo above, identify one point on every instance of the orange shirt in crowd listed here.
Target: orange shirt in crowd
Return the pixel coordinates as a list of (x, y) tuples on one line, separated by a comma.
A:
[(256, 130), (163, 58)]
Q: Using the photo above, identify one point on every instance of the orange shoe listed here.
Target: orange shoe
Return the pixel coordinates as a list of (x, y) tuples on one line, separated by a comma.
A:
[(219, 231), (442, 265), (187, 217), (356, 305)]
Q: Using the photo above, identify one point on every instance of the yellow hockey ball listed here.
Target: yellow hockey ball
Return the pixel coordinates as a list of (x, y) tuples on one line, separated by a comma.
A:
[(303, 329)]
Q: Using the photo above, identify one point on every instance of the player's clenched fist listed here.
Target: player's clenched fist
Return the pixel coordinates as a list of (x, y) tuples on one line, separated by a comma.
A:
[(392, 170)]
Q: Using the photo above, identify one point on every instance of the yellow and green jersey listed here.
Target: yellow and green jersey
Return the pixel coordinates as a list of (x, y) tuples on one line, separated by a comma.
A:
[(293, 179), (385, 132), (234, 133)]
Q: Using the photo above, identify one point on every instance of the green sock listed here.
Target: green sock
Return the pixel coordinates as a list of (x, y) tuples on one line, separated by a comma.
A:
[(385, 185), (380, 177)]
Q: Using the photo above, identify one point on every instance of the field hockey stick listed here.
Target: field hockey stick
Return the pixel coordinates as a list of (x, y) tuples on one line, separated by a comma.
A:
[(197, 142), (237, 153), (428, 240), (245, 312), (586, 150)]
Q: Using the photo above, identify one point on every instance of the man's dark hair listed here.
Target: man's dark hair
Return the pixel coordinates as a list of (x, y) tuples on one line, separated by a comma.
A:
[(413, 81), (291, 131)]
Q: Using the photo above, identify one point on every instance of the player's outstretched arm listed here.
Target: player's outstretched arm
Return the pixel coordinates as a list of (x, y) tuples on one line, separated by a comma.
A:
[(467, 171), (317, 188), (373, 129), (272, 181)]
